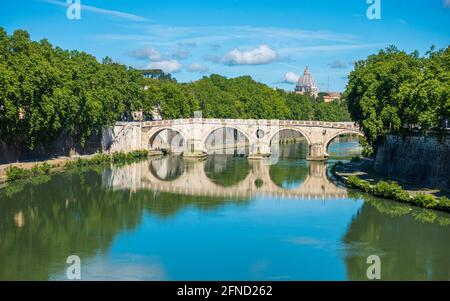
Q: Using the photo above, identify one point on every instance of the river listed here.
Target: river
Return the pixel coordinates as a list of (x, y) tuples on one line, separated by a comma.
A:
[(225, 218)]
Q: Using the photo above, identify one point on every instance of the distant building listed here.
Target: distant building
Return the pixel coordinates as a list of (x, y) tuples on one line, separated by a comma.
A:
[(307, 85), (138, 116), (22, 113), (331, 96), (156, 74), (152, 73)]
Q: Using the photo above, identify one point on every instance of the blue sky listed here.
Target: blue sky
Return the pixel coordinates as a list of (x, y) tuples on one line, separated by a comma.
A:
[(272, 41)]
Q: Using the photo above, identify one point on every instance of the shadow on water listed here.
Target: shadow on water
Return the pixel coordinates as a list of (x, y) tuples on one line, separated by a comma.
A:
[(412, 243), (84, 212)]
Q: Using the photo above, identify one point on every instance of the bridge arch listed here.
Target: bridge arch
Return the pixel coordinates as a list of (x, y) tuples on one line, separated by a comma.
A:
[(277, 132), (340, 133), (343, 132), (152, 135), (211, 131)]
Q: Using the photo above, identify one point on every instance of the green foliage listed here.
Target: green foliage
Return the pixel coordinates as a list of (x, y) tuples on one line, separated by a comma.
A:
[(443, 203), (393, 91), (46, 91), (118, 158), (242, 97), (391, 190), (331, 111), (425, 200), (14, 173), (46, 168), (356, 159), (394, 209), (355, 182), (367, 151)]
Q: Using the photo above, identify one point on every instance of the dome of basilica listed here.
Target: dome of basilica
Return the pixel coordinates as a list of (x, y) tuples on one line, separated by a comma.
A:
[(306, 84)]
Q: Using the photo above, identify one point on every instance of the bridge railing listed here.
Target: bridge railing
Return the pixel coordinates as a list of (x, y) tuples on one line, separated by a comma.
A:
[(265, 122)]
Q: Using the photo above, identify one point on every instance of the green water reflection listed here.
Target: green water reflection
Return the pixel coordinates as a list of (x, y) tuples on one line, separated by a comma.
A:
[(224, 218)]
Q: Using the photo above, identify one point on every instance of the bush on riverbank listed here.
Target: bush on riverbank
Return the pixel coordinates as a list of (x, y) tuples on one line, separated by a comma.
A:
[(397, 209), (391, 190), (14, 173), (355, 159), (119, 158)]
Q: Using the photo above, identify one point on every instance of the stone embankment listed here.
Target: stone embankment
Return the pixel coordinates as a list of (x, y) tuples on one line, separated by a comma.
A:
[(363, 169), (418, 159)]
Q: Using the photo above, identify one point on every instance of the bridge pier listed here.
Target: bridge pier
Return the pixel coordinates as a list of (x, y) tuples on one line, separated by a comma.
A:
[(259, 150), (194, 149), (317, 152)]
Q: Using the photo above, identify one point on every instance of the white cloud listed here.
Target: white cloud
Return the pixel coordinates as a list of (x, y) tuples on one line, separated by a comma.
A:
[(291, 78), (114, 13), (170, 66), (146, 54), (261, 55), (197, 68), (446, 3)]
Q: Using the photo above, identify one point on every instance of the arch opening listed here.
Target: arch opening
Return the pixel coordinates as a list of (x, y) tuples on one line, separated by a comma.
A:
[(344, 146), (227, 141), (168, 140), (289, 143)]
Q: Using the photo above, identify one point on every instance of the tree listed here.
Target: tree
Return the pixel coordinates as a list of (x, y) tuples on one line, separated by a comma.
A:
[(46, 92), (242, 97), (393, 91)]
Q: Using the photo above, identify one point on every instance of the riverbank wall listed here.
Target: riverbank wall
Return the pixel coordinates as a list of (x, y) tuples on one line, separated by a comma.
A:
[(417, 159), (63, 146)]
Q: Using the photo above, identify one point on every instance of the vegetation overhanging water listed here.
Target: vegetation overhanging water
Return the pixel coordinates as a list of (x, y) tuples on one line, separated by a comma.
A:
[(135, 222)]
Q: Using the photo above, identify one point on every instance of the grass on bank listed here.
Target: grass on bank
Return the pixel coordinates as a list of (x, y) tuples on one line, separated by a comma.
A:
[(14, 173), (119, 158), (391, 190)]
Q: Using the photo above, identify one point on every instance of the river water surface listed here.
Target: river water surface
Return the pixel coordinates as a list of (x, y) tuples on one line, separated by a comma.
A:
[(225, 218)]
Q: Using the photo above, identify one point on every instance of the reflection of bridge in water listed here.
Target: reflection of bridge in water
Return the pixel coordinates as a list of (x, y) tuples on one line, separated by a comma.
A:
[(173, 175)]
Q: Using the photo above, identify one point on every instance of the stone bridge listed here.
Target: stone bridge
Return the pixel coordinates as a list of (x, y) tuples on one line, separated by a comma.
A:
[(190, 178), (189, 136)]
